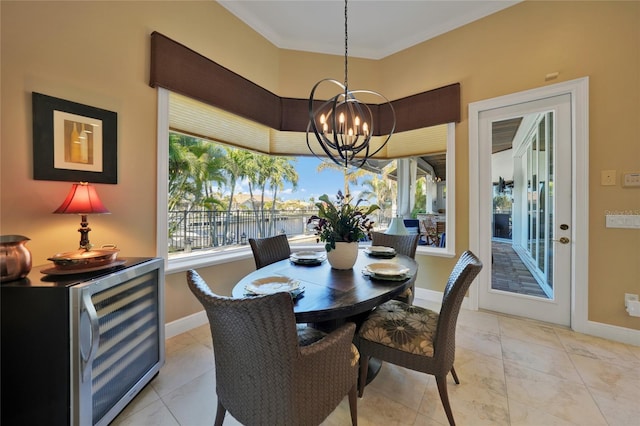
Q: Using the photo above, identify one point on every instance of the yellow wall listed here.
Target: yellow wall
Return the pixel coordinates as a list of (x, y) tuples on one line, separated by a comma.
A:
[(97, 53)]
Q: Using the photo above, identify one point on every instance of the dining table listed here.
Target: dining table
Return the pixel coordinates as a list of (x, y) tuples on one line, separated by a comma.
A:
[(328, 297)]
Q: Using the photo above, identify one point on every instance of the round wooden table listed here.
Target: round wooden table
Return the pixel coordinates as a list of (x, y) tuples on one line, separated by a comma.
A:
[(333, 296)]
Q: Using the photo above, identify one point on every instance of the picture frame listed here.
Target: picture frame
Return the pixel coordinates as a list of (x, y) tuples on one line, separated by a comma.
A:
[(73, 142)]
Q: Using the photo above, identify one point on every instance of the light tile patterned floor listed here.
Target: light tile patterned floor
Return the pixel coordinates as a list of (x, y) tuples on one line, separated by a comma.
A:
[(512, 372)]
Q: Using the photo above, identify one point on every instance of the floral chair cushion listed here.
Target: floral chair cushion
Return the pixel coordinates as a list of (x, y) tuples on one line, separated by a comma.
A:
[(355, 355), (405, 296), (401, 326)]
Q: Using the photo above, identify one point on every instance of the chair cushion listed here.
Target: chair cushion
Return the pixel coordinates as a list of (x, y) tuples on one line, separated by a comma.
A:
[(405, 296), (355, 355), (401, 326), (308, 335)]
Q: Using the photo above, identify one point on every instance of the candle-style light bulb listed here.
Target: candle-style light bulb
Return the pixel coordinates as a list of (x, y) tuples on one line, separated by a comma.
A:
[(340, 128)]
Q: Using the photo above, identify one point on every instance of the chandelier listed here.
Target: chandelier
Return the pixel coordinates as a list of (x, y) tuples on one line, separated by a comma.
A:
[(344, 125)]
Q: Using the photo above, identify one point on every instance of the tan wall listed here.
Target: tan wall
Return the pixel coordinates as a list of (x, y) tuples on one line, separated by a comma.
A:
[(97, 53)]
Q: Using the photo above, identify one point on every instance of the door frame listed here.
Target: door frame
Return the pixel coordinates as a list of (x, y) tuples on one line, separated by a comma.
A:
[(480, 173)]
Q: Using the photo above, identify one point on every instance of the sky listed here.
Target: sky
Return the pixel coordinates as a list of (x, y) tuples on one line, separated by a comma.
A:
[(312, 183)]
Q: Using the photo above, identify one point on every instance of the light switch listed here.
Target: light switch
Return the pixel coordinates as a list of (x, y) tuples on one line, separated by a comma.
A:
[(608, 178), (629, 221), (631, 180)]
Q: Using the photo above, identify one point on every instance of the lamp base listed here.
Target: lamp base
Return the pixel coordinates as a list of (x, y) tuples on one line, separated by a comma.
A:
[(84, 233)]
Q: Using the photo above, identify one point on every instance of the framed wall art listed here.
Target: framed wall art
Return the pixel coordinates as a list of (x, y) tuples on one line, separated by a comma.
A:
[(73, 142)]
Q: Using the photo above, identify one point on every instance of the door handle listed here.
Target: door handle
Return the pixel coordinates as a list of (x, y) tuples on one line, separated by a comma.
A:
[(90, 320), (563, 240)]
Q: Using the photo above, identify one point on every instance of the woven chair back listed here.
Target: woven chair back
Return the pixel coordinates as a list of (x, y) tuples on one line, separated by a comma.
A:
[(255, 347), (269, 250), (403, 244), (462, 275)]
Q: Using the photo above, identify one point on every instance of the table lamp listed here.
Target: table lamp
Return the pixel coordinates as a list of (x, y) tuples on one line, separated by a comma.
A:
[(82, 199), (396, 227)]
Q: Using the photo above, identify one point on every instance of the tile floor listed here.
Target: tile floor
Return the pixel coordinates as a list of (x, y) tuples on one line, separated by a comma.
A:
[(512, 372)]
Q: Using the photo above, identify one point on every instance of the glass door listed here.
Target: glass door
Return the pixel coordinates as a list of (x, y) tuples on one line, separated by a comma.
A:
[(541, 217), (535, 157)]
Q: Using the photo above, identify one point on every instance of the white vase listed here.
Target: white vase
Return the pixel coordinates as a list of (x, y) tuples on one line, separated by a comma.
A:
[(343, 256)]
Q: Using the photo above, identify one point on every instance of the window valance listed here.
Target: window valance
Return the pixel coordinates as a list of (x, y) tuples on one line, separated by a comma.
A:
[(178, 68)]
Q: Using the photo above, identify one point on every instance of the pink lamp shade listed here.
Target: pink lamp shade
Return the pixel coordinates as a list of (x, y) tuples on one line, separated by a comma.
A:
[(82, 199)]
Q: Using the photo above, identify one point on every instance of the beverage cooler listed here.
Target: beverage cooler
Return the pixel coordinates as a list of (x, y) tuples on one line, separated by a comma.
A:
[(76, 349)]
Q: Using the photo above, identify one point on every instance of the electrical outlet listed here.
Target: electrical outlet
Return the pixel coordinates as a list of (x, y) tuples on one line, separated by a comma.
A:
[(608, 178), (629, 297)]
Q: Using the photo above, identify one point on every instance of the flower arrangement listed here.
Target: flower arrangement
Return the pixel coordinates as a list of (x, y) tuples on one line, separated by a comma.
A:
[(341, 221)]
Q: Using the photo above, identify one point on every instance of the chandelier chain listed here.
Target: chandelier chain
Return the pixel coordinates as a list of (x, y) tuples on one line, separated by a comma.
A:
[(343, 125), (346, 48)]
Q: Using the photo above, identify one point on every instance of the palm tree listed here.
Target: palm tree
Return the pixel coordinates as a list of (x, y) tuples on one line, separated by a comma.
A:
[(182, 165), (271, 172), (209, 170), (236, 167), (420, 197), (195, 165), (282, 171), (259, 169), (383, 190)]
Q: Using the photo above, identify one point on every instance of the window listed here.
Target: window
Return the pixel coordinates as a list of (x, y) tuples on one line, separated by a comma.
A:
[(226, 230)]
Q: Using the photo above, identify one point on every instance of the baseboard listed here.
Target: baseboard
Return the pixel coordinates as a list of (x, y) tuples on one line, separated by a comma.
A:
[(597, 329), (605, 331), (436, 297), (185, 324), (611, 332)]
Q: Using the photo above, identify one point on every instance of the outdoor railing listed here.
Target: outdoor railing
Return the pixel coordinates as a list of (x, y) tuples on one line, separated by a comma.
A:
[(200, 229), (206, 229)]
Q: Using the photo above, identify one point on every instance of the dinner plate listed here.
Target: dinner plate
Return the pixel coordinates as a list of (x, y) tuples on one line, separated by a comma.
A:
[(271, 285), (387, 269), (381, 250), (402, 277), (308, 257)]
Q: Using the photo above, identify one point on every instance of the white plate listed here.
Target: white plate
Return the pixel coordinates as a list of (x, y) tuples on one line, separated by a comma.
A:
[(387, 269), (385, 277), (270, 285), (309, 255), (381, 250)]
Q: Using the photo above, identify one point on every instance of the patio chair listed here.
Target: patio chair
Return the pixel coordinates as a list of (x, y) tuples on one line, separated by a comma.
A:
[(418, 338), (403, 244), (269, 250), (429, 230), (263, 375)]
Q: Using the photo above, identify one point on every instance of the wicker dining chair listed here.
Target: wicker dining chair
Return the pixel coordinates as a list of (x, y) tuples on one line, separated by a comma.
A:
[(263, 375), (403, 244), (269, 250), (418, 338)]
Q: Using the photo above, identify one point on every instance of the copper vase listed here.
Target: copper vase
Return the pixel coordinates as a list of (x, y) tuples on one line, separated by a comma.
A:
[(15, 257)]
